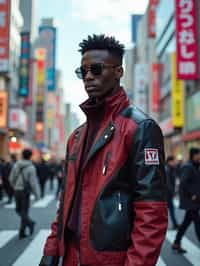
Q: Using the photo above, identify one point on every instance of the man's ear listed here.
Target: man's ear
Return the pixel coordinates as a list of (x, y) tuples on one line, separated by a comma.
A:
[(119, 72)]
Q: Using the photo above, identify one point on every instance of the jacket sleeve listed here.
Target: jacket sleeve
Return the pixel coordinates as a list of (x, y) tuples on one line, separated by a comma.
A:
[(51, 245), (149, 195)]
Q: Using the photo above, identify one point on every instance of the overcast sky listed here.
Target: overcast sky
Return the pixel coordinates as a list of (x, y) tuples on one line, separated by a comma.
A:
[(76, 19)]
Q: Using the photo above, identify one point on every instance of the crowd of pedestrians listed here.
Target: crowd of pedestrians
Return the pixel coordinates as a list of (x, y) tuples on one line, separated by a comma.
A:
[(23, 177), (183, 181)]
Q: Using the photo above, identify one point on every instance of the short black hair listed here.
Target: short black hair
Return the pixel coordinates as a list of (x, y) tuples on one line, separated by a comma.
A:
[(170, 158), (102, 42), (194, 151), (26, 154)]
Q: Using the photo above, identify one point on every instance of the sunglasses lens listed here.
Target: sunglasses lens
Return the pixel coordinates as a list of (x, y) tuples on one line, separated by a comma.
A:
[(96, 69), (80, 72)]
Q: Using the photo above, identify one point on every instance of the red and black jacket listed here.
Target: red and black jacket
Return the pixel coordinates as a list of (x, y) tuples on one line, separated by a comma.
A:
[(123, 214)]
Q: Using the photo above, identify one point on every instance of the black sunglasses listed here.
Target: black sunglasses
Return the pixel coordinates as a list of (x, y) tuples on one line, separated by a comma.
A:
[(96, 69)]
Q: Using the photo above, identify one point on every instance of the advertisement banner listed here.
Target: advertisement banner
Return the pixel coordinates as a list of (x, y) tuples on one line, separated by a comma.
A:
[(40, 56), (152, 18), (48, 39), (140, 86), (3, 109), (187, 40), (176, 96), (155, 86), (4, 34), (18, 119), (24, 65)]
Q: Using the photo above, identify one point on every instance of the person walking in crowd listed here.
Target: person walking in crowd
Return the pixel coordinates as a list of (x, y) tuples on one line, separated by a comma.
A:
[(113, 208), (189, 197), (6, 172), (60, 176), (1, 178), (43, 175), (24, 181), (171, 182)]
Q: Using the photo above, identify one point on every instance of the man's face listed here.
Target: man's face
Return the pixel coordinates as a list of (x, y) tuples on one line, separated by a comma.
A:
[(99, 85), (196, 158)]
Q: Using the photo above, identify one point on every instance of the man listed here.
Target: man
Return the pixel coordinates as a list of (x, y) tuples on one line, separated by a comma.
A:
[(113, 207), (7, 169), (24, 181), (189, 197), (171, 181)]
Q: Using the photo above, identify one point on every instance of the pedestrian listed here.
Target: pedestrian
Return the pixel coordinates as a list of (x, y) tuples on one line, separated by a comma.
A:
[(60, 176), (43, 175), (171, 182), (113, 208), (189, 198), (24, 181), (6, 172)]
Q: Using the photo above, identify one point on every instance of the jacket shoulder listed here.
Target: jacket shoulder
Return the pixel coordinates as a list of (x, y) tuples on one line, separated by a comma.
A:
[(134, 113)]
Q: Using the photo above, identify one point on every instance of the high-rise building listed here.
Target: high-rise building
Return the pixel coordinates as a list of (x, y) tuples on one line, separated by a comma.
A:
[(28, 11), (9, 65)]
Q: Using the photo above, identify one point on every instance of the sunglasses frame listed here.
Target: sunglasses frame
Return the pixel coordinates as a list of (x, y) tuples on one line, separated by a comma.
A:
[(81, 75)]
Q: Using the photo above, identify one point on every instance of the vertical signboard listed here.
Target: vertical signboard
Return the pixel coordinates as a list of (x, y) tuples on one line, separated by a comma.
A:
[(176, 96), (3, 109), (155, 87), (152, 18), (4, 34), (24, 65), (187, 39), (48, 39), (39, 129)]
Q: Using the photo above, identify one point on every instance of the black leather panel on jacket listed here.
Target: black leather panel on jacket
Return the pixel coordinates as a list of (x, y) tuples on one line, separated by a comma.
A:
[(134, 113), (113, 210), (135, 181), (49, 261), (150, 178)]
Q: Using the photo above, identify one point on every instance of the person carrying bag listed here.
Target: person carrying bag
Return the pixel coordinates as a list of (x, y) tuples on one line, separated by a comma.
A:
[(24, 181)]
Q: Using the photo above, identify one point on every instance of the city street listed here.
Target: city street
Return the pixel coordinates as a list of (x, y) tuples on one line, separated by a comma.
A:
[(15, 252)]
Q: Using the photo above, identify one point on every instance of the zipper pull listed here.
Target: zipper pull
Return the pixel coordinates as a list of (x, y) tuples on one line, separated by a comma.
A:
[(119, 203), (104, 170)]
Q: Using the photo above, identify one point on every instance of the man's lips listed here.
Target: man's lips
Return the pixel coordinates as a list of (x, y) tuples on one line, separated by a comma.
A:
[(91, 88)]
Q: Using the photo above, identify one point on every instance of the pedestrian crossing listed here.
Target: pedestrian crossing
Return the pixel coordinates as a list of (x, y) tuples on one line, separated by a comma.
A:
[(193, 252), (41, 203), (33, 251)]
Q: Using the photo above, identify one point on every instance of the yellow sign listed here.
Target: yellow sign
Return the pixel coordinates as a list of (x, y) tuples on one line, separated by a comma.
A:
[(3, 108), (177, 94)]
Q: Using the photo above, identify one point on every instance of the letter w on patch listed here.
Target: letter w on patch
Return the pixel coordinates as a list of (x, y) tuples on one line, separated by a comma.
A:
[(151, 156)]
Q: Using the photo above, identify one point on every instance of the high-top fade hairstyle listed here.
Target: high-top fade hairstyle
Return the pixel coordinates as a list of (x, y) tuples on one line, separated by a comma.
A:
[(102, 42)]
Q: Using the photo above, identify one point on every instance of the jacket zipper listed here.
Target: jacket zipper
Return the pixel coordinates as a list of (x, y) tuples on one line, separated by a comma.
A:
[(119, 202), (105, 166)]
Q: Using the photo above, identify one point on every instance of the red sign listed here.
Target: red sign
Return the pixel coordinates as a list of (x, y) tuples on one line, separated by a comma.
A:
[(4, 34), (152, 18), (186, 39), (156, 68)]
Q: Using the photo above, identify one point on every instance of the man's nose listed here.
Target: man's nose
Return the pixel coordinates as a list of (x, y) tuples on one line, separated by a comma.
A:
[(89, 75)]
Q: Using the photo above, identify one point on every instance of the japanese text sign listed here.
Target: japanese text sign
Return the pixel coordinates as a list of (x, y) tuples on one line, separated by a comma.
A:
[(186, 40)]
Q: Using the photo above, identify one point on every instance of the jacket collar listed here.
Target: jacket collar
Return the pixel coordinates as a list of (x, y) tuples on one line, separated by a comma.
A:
[(107, 110), (108, 107)]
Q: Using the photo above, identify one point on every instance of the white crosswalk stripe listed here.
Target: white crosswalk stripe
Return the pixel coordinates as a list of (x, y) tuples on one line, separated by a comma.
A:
[(6, 236), (193, 252), (33, 253), (42, 203), (161, 262)]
